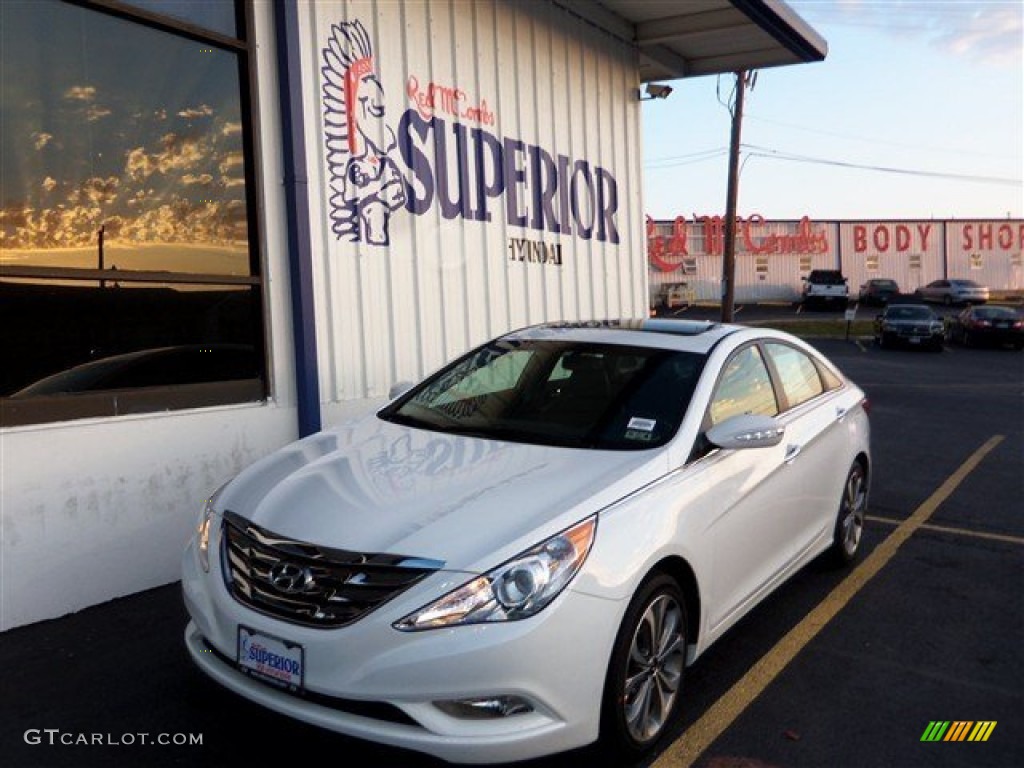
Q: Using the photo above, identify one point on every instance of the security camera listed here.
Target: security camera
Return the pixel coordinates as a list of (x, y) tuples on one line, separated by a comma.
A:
[(657, 91)]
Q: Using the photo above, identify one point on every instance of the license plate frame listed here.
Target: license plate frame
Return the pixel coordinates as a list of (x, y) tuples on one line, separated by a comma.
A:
[(271, 659)]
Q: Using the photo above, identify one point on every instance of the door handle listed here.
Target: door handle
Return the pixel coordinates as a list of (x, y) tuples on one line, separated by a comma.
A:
[(841, 413), (792, 451)]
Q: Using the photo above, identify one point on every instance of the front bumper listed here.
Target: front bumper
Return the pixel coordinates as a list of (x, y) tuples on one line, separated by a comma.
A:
[(556, 660)]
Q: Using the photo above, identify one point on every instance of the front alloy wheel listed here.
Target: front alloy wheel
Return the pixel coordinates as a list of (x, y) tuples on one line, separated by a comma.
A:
[(642, 692), (853, 508)]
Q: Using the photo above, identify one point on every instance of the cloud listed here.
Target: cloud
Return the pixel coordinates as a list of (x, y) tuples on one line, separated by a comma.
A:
[(80, 93), (139, 165), (41, 139), (95, 112), (193, 112), (231, 181), (231, 160), (100, 191), (987, 31), (231, 129), (48, 184), (177, 153), (991, 35), (203, 179)]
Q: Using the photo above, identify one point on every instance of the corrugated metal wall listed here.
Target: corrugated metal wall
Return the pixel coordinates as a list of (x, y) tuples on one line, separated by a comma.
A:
[(988, 252), (909, 252), (443, 93), (773, 256)]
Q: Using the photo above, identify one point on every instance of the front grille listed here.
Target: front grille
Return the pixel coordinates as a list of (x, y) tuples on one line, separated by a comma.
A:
[(309, 584)]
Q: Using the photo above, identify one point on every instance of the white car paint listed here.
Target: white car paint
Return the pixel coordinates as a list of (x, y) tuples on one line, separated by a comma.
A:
[(742, 521)]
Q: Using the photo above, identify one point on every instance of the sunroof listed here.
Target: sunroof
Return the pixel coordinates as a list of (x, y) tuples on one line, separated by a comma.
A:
[(656, 325), (678, 327)]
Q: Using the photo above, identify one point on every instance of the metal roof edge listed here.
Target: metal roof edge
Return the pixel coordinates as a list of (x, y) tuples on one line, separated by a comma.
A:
[(786, 26)]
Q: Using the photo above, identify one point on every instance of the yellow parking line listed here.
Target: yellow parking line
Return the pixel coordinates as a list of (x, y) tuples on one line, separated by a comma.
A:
[(683, 752), (1004, 537)]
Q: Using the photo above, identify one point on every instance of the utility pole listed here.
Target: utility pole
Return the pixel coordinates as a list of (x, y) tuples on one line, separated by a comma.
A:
[(729, 255)]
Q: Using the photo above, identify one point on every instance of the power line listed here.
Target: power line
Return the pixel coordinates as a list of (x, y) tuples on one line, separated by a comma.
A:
[(773, 154), (902, 144)]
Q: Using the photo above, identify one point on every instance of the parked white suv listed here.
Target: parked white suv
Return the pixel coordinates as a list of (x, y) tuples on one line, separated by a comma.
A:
[(825, 288)]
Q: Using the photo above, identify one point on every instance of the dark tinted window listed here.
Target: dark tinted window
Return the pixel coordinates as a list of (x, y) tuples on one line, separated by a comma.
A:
[(126, 223), (214, 15), (557, 393)]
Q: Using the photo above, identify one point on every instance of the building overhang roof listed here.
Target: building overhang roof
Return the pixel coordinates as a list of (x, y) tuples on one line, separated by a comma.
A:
[(688, 38)]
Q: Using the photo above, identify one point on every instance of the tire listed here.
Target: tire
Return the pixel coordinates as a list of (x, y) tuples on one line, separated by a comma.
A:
[(642, 692), (853, 504), (968, 339)]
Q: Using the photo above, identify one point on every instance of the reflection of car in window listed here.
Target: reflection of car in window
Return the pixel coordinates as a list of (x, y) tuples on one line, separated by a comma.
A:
[(165, 366)]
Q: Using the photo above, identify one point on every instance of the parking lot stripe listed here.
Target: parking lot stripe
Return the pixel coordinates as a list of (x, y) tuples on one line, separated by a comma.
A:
[(1004, 537), (685, 750)]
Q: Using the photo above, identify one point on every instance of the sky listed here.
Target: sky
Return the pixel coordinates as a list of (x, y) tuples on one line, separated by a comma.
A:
[(932, 91)]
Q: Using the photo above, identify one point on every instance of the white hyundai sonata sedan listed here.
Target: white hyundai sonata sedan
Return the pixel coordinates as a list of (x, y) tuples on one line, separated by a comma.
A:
[(521, 554)]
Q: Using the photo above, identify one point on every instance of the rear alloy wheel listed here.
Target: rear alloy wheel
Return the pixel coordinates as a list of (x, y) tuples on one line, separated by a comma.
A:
[(645, 675), (853, 507)]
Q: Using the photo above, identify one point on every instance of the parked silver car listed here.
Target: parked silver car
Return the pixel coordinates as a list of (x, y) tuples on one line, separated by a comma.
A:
[(956, 291)]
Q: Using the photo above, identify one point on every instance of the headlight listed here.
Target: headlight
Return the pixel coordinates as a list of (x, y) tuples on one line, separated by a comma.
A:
[(204, 527), (515, 590), (938, 327)]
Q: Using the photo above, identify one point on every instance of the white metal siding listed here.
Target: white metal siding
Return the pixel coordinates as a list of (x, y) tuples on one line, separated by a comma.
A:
[(393, 312), (896, 245), (988, 252), (780, 248)]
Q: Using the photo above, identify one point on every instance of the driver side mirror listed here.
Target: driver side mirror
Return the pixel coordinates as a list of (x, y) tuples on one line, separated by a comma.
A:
[(747, 431)]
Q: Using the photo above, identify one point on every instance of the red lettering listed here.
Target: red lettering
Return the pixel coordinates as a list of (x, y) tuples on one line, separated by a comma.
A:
[(902, 237), (1005, 237), (860, 238), (985, 237), (677, 246), (968, 237), (748, 240), (880, 237), (924, 230)]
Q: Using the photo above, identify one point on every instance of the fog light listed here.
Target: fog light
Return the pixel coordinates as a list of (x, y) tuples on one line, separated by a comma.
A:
[(487, 708)]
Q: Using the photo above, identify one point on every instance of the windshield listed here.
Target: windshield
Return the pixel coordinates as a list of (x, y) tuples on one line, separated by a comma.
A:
[(826, 278), (884, 283), (909, 313), (995, 313), (557, 393)]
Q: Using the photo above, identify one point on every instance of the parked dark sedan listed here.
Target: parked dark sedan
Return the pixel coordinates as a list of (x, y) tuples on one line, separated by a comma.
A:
[(987, 325), (911, 324), (878, 291)]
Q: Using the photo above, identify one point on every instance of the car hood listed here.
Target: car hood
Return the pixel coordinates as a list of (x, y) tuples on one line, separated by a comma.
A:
[(374, 486)]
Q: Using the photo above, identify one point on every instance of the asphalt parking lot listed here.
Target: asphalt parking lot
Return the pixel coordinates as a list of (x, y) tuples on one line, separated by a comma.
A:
[(838, 668)]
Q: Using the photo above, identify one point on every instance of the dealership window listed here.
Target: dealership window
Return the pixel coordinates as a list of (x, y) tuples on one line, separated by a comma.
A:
[(871, 263), (130, 272), (914, 261), (805, 263), (1015, 259), (761, 267), (690, 265), (976, 261)]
